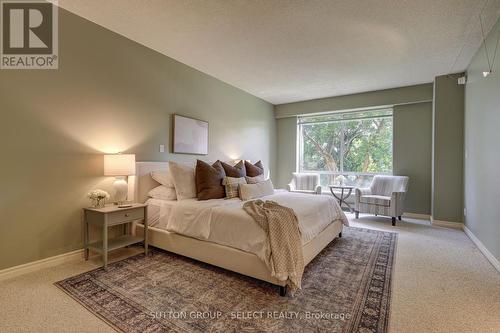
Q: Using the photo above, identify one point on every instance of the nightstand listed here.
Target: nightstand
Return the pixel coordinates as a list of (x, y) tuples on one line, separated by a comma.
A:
[(111, 216)]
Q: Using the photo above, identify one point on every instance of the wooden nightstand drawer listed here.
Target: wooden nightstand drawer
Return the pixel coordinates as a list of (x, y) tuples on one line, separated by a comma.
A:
[(126, 215)]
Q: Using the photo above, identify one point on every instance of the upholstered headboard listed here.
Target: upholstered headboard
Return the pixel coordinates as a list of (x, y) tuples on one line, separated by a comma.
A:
[(142, 183)]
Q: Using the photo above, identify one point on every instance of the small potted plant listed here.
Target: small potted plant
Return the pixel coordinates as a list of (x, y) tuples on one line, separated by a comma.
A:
[(98, 198)]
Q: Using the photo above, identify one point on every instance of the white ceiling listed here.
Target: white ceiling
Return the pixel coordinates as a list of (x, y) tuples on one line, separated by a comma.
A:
[(285, 51)]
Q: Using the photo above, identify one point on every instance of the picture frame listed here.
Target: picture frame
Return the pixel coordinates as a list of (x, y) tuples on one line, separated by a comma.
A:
[(190, 135)]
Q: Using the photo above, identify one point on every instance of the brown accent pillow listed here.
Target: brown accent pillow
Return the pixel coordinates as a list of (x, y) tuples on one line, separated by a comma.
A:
[(209, 180), (254, 170), (236, 171)]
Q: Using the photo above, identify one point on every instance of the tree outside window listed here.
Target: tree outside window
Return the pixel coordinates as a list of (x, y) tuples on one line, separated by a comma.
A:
[(356, 145)]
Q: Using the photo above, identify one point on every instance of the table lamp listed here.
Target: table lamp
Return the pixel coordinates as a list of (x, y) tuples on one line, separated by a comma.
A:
[(120, 166)]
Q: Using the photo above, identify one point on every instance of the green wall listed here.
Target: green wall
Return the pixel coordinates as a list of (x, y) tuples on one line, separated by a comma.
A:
[(287, 149), (110, 94), (412, 135), (448, 124), (386, 97), (412, 147), (482, 138)]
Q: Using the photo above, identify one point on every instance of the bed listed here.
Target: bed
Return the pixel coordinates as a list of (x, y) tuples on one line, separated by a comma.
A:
[(232, 240)]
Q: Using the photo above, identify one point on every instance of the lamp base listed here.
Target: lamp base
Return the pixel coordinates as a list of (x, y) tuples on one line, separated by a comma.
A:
[(121, 190)]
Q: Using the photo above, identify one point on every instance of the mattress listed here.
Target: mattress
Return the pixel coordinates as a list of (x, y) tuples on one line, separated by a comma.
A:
[(154, 207), (223, 221)]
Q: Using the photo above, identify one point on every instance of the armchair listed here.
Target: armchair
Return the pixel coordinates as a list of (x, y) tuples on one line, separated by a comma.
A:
[(304, 183), (385, 196)]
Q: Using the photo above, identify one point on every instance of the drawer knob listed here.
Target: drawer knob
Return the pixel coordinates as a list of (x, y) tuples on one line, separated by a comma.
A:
[(126, 215)]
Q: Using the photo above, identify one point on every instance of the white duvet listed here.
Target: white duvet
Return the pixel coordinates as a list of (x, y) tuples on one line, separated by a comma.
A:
[(223, 221)]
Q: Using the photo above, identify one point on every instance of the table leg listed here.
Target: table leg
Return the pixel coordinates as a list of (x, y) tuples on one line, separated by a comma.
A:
[(105, 243), (145, 230), (86, 236), (347, 204), (336, 197)]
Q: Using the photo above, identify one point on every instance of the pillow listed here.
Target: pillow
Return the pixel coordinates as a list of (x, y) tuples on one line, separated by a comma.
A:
[(209, 180), (232, 184), (236, 171), (254, 170), (252, 191), (255, 180), (183, 177), (163, 177), (163, 192)]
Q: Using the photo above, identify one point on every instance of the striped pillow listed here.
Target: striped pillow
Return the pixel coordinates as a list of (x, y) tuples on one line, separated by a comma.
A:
[(232, 186)]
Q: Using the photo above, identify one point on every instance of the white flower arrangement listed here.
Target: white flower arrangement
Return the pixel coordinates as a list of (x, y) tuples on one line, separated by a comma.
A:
[(98, 197), (341, 179), (98, 194)]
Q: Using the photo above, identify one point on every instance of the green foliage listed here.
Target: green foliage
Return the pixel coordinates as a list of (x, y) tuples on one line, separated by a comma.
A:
[(356, 145)]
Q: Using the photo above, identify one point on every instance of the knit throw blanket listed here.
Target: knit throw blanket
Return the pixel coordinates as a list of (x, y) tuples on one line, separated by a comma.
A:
[(282, 227)]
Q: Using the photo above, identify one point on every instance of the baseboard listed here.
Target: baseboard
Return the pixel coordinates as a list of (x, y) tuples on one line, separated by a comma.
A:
[(491, 258), (39, 264), (417, 216), (447, 224)]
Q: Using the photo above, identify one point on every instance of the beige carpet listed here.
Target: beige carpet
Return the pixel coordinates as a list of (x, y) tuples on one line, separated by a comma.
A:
[(442, 283)]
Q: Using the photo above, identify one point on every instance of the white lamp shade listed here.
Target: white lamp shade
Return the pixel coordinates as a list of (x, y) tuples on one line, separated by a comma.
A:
[(119, 165)]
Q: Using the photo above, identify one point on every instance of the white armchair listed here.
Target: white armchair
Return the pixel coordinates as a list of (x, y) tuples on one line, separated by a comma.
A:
[(305, 183), (385, 196)]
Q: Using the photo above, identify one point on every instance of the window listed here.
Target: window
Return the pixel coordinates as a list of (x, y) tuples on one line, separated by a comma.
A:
[(346, 147)]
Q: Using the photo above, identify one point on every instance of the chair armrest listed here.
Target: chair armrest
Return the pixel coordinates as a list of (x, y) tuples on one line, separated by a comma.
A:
[(363, 191), (357, 198), (397, 200), (318, 189), (397, 195)]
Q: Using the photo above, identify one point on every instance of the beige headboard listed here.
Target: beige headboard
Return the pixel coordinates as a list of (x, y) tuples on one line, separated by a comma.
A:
[(142, 183)]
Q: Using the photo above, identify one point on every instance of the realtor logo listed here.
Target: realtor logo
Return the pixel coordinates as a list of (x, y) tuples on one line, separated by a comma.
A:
[(29, 34)]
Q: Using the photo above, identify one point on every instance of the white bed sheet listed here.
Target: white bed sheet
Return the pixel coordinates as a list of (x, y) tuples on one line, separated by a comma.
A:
[(154, 206), (223, 221)]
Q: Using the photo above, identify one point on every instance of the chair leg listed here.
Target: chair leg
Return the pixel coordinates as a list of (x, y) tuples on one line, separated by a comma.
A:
[(399, 217), (393, 221), (340, 234), (356, 213)]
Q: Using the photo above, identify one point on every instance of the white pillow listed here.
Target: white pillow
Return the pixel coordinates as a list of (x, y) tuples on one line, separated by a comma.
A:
[(252, 191), (163, 192), (255, 180), (163, 177), (183, 177)]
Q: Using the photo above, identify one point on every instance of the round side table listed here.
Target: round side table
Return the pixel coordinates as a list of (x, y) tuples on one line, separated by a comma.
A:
[(345, 192)]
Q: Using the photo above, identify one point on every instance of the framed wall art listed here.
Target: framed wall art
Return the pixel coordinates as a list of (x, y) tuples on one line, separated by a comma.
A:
[(190, 136)]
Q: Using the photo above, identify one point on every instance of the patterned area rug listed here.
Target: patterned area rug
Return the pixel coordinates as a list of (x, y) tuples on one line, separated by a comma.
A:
[(346, 288)]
